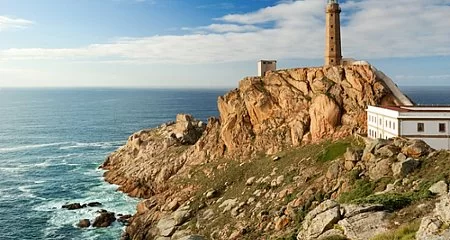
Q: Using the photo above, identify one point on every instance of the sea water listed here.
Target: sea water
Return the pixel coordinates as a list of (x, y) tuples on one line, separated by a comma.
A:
[(53, 140)]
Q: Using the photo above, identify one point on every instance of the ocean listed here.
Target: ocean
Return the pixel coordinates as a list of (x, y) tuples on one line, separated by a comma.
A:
[(53, 140)]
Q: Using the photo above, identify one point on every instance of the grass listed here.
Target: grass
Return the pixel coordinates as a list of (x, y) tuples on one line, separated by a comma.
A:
[(333, 151), (405, 232), (228, 177), (362, 189)]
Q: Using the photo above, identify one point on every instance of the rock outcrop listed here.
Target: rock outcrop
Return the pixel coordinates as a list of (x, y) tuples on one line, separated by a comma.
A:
[(284, 109)]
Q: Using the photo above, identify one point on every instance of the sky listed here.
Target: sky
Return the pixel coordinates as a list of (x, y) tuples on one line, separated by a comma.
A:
[(211, 43)]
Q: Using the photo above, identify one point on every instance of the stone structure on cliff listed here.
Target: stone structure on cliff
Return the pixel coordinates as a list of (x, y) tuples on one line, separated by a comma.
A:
[(333, 55)]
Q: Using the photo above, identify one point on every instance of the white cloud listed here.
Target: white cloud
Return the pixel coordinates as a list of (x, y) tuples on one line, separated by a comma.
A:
[(223, 28), (372, 29), (13, 23)]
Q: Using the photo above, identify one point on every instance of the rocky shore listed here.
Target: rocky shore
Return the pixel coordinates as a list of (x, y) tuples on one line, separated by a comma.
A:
[(281, 163)]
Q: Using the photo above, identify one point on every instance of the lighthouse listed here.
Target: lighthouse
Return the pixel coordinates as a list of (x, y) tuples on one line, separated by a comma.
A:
[(333, 54)]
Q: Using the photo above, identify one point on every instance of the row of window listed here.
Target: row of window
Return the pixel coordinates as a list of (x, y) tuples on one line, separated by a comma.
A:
[(387, 124), (421, 127), (374, 134)]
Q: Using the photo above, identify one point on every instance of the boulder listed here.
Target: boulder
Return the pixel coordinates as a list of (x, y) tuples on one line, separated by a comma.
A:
[(350, 210), (380, 168), (228, 204), (250, 181), (440, 188), (146, 205), (442, 209), (416, 148), (84, 223), (73, 206), (430, 229), (94, 204), (325, 116), (365, 225), (192, 237), (332, 234), (105, 219), (166, 226), (320, 219), (387, 151), (404, 168)]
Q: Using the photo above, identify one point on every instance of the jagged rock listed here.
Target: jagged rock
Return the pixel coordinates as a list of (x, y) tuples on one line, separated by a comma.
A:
[(211, 193), (281, 223), (94, 204), (380, 168), (84, 223), (104, 220), (228, 204), (365, 225), (332, 234), (325, 116), (430, 229), (387, 151), (173, 205), (416, 148), (73, 206), (404, 168), (442, 209), (439, 188), (320, 219), (350, 210), (192, 237), (146, 205), (333, 171), (401, 157), (181, 215), (250, 181), (166, 226)]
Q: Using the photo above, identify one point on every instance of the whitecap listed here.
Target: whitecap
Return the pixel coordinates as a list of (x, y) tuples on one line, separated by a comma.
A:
[(101, 145), (32, 146)]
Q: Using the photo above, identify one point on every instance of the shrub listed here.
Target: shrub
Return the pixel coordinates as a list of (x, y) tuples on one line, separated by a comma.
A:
[(363, 188), (406, 232), (391, 201)]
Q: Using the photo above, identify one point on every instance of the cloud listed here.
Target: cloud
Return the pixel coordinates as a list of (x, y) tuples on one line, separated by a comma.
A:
[(290, 29), (13, 23), (223, 28)]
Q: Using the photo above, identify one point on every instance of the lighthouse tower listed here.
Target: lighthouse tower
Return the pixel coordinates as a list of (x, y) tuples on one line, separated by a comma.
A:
[(333, 54)]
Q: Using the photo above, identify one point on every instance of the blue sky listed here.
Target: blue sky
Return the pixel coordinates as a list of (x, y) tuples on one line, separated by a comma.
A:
[(208, 44)]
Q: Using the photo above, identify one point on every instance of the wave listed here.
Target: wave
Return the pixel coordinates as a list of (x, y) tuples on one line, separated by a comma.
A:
[(64, 146), (93, 145), (32, 146)]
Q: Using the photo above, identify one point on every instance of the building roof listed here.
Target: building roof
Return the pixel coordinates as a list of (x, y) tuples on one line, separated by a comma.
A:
[(421, 108)]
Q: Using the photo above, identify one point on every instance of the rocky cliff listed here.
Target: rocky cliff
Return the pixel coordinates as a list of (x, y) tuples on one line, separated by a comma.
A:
[(185, 169)]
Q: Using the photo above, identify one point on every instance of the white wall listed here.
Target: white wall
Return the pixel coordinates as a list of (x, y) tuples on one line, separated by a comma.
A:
[(409, 127), (264, 66), (381, 126)]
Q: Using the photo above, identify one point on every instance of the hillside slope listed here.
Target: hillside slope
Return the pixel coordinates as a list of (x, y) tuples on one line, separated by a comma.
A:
[(282, 111)]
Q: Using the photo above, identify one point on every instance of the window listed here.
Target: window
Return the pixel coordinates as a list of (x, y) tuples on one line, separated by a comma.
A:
[(331, 14), (390, 124), (332, 38), (332, 60), (386, 123), (381, 122), (331, 26), (393, 125), (420, 127), (441, 127), (332, 49)]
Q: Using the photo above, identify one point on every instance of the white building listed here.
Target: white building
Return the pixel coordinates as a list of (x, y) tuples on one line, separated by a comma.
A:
[(266, 65), (430, 124)]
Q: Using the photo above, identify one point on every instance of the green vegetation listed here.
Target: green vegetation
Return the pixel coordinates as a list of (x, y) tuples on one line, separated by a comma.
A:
[(406, 232), (333, 151), (363, 193), (362, 188)]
